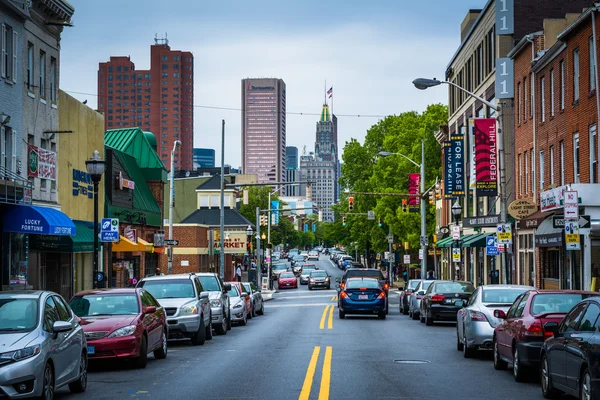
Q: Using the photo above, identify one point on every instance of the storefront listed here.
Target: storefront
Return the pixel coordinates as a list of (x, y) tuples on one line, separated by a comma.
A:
[(481, 268), (550, 254)]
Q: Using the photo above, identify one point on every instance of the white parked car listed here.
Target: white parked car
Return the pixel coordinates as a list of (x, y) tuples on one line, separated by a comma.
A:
[(312, 255)]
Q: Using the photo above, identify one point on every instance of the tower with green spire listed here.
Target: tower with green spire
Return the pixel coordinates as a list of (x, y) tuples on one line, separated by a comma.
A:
[(326, 139)]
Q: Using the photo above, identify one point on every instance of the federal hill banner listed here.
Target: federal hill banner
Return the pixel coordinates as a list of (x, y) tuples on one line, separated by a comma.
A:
[(485, 157), (414, 181)]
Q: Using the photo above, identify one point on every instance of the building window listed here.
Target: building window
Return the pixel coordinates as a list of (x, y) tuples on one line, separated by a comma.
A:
[(551, 93), (8, 149), (576, 157), (551, 165), (520, 175), (531, 95), (542, 170), (593, 156), (9, 41), (576, 76), (30, 66), (562, 84), (53, 79), (562, 162), (592, 65), (526, 173), (519, 103), (42, 74), (532, 161), (543, 98)]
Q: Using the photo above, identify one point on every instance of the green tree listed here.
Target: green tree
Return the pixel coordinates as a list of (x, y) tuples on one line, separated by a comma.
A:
[(258, 196)]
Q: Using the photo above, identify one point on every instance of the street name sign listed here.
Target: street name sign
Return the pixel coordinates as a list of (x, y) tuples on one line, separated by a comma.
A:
[(172, 242)]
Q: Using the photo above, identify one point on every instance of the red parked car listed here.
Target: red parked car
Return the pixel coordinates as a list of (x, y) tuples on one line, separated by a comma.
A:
[(248, 299), (518, 339), (287, 280), (122, 323)]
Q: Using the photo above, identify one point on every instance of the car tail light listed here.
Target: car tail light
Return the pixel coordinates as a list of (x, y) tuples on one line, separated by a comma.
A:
[(408, 294), (342, 285), (477, 316), (386, 286), (344, 295), (437, 298), (381, 295), (362, 288), (536, 330)]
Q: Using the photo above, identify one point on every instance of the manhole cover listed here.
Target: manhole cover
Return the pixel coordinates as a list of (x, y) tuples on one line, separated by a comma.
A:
[(412, 361)]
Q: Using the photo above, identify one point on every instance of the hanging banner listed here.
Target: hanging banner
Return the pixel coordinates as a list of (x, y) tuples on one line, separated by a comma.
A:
[(314, 227), (305, 228), (414, 181), (41, 163), (448, 171), (274, 212), (458, 164), (485, 157), (471, 150)]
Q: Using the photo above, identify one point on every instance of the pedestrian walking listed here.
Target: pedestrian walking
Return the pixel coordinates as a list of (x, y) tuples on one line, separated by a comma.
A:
[(238, 273), (405, 275), (430, 276)]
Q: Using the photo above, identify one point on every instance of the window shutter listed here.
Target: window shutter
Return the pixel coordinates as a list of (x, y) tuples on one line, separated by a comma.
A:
[(3, 41), (2, 149), (13, 165), (15, 39)]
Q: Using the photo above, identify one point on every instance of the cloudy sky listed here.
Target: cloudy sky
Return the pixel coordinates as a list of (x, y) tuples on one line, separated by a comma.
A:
[(369, 51)]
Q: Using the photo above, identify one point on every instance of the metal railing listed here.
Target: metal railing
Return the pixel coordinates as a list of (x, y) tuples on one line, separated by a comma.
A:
[(14, 189)]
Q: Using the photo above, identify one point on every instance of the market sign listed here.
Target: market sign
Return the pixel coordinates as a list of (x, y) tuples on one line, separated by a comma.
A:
[(520, 209), (41, 163), (235, 242)]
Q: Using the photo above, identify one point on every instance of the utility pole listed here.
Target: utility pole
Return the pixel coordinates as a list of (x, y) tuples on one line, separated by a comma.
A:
[(222, 229), (172, 205), (390, 255), (258, 266), (503, 194), (423, 215)]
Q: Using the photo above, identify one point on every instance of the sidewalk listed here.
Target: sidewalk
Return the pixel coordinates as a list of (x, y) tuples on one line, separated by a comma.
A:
[(266, 294)]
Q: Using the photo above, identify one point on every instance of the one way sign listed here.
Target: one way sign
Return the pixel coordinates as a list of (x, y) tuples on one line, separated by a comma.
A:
[(585, 222)]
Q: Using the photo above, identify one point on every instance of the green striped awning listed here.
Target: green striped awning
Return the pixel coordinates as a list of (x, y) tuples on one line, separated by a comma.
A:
[(446, 242), (476, 240)]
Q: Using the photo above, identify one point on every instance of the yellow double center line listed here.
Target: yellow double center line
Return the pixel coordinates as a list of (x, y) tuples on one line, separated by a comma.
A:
[(325, 375), (324, 318)]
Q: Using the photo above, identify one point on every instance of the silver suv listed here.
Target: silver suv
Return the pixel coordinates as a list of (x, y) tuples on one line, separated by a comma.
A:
[(42, 345), (186, 303), (219, 300)]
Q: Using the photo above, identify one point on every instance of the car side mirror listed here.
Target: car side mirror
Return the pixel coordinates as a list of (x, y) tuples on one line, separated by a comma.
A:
[(150, 310), (244, 294), (499, 314), (226, 287), (61, 326), (337, 280), (551, 327), (203, 295)]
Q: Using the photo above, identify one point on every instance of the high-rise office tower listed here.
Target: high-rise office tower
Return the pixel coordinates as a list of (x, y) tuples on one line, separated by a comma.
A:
[(159, 100), (263, 129), (291, 157), (204, 158), (292, 173)]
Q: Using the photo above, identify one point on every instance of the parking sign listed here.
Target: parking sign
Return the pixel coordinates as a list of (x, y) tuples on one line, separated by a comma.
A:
[(491, 247)]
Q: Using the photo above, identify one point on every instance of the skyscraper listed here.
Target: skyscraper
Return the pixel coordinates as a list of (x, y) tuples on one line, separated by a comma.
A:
[(291, 157), (205, 158), (159, 100), (292, 173), (263, 129)]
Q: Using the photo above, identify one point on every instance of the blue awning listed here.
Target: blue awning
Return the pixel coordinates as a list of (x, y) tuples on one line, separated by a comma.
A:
[(37, 220)]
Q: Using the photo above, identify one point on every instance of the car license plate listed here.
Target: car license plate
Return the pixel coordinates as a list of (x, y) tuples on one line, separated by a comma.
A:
[(91, 350), (288, 284), (363, 297)]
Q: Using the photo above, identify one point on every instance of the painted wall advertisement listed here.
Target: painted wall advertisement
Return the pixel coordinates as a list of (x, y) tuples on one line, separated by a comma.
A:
[(486, 162), (41, 163)]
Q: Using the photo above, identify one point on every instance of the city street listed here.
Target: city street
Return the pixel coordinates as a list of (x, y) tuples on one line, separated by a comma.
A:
[(300, 349)]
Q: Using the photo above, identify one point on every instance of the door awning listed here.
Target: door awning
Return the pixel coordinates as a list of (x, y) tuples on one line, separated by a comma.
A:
[(476, 240), (37, 220), (446, 242), (147, 247), (126, 245)]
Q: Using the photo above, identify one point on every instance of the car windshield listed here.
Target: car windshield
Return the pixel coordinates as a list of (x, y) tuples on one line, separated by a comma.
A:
[(501, 296), (169, 288), (307, 269), (102, 304), (298, 258), (18, 315), (210, 283), (454, 287), (555, 302), (413, 284), (233, 292), (246, 287), (362, 283), (287, 275), (319, 274), (280, 267)]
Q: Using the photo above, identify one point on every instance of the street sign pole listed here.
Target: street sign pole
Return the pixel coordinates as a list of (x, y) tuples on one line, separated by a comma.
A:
[(390, 240)]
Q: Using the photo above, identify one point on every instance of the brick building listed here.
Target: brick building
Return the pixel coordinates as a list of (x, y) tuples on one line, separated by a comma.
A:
[(556, 148), (158, 100)]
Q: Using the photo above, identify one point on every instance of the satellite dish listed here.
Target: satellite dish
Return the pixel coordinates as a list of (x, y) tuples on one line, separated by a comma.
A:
[(187, 174)]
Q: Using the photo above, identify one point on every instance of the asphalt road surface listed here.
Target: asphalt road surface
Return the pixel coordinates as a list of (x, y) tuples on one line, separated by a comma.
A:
[(300, 349)]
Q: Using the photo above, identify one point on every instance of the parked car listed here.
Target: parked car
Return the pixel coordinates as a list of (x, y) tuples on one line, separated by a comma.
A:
[(414, 302), (122, 324), (406, 293), (219, 301), (43, 345), (239, 310), (319, 279), (305, 273), (343, 261), (443, 299), (258, 304), (312, 255), (246, 298), (362, 296), (570, 359), (475, 323), (186, 303), (518, 339), (277, 269), (287, 280)]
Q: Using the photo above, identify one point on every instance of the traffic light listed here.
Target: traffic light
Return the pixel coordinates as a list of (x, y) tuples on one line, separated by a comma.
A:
[(404, 205), (344, 220), (432, 197), (380, 223), (351, 203), (263, 220)]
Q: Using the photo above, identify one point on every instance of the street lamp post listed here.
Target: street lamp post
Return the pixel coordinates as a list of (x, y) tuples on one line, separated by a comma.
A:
[(249, 241), (456, 212), (422, 84), (176, 144), (95, 167)]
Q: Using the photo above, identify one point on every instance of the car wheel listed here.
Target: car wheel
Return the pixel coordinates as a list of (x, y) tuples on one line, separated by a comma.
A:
[(244, 321), (341, 314), (468, 352), (421, 320), (309, 287), (48, 388), (262, 309), (499, 364), (428, 319), (80, 384), (519, 370), (382, 314), (199, 337), (387, 307), (459, 343), (253, 311), (142, 359), (221, 329), (209, 328), (229, 321), (586, 392), (161, 352), (548, 390), (250, 314)]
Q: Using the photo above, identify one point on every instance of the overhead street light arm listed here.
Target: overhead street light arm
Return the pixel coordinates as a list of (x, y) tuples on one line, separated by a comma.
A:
[(424, 83), (387, 154)]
